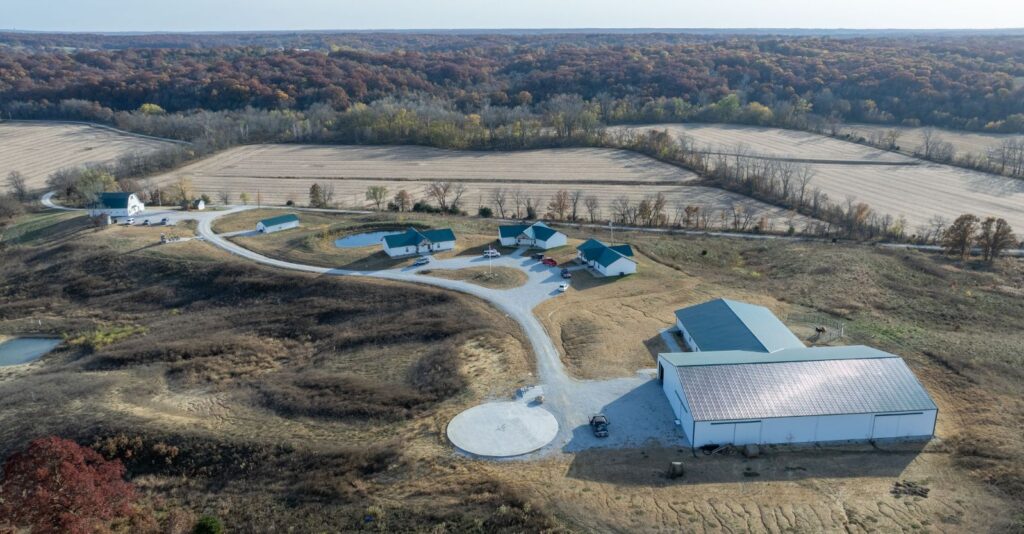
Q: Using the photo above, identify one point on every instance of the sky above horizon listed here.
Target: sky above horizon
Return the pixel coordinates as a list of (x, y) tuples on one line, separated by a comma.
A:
[(264, 15)]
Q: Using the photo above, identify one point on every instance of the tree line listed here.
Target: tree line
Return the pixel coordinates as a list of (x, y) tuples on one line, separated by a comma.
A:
[(956, 82)]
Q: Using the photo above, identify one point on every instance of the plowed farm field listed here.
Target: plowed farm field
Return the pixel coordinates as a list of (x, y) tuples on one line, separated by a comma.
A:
[(36, 150), (279, 173)]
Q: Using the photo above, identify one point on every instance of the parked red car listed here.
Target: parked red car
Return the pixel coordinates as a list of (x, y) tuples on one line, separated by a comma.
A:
[(550, 262)]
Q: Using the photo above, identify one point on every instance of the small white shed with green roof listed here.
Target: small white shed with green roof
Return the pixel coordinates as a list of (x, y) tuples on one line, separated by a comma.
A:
[(276, 224)]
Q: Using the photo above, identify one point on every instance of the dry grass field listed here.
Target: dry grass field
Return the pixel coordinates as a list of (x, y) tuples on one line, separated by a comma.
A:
[(917, 192), (37, 149), (771, 142), (911, 138), (313, 242), (494, 277), (320, 404)]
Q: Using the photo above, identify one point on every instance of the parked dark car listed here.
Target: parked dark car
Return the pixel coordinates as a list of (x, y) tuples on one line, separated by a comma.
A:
[(550, 262), (538, 256), (566, 274), (599, 424)]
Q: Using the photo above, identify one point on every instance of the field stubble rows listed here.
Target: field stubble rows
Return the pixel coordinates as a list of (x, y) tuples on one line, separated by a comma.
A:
[(38, 149), (276, 174), (916, 192)]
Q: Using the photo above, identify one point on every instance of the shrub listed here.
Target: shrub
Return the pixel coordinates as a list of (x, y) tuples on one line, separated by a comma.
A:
[(485, 212), (55, 485), (208, 524)]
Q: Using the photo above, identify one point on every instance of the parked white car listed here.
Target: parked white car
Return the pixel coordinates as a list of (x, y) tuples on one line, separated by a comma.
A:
[(491, 253), (563, 287)]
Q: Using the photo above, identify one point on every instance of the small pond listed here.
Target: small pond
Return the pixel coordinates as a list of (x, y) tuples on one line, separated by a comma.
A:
[(363, 240), (19, 350)]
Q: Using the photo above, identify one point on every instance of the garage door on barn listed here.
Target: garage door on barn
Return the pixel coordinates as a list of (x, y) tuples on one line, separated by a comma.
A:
[(900, 424), (737, 433)]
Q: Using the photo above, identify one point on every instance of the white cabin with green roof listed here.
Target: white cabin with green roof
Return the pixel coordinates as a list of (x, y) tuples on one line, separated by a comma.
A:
[(536, 235), (276, 224)]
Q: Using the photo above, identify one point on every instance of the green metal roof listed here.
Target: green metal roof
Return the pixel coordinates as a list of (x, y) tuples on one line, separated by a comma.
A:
[(114, 201), (512, 230), (724, 324), (280, 219), (596, 251), (542, 231), (413, 237)]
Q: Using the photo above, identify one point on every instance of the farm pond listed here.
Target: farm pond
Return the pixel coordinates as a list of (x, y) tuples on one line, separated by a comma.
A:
[(19, 350), (363, 240)]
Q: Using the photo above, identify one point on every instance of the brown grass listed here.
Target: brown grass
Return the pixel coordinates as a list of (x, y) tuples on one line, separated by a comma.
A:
[(494, 277)]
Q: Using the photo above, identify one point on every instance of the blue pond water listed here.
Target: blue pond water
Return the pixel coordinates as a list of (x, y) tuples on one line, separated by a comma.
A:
[(362, 240), (25, 349)]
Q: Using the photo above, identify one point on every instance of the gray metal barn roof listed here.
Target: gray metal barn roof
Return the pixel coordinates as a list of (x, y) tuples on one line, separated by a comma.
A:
[(828, 384), (724, 324)]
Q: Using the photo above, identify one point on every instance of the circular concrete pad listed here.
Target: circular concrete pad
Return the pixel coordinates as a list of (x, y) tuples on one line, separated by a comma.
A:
[(502, 429)]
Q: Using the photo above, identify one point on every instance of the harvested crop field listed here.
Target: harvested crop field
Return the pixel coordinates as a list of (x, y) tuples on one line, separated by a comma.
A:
[(910, 139), (773, 142), (282, 173), (917, 192), (38, 149), (582, 165), (921, 192)]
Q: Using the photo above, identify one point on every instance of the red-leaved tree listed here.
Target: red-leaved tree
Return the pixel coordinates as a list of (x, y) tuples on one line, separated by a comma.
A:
[(56, 485)]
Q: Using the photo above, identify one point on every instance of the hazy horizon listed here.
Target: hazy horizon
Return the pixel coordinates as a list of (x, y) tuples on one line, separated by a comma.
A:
[(211, 16)]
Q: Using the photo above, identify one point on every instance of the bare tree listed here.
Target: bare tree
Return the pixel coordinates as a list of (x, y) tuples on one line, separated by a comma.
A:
[(403, 200), (804, 174), (995, 236), (518, 200), (574, 201), (328, 193), (458, 190), (225, 197), (959, 236), (499, 198), (16, 182), (559, 204), (593, 206), (378, 194), (439, 191)]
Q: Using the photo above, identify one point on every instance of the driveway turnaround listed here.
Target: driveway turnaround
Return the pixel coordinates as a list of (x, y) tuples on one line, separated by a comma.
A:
[(502, 429)]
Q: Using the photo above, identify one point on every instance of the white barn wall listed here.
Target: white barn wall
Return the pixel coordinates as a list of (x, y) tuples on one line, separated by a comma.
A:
[(816, 429), (277, 227), (676, 398), (507, 241)]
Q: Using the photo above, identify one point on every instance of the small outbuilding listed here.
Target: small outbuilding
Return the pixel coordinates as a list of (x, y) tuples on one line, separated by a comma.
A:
[(276, 224), (199, 204), (606, 260), (724, 324), (536, 235), (798, 395), (116, 205), (414, 241)]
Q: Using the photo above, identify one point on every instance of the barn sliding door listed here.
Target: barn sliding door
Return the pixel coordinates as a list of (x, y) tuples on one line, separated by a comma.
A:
[(747, 433)]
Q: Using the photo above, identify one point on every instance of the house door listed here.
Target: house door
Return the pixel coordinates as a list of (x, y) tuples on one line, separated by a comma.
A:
[(747, 433)]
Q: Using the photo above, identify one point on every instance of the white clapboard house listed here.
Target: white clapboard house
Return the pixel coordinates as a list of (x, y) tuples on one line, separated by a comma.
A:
[(414, 241), (606, 260), (536, 235), (749, 380)]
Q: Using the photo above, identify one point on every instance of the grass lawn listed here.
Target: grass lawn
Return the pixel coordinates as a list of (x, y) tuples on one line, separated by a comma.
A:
[(495, 278)]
